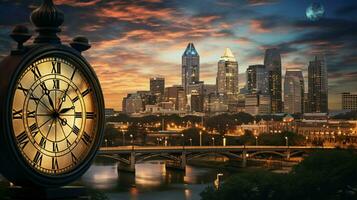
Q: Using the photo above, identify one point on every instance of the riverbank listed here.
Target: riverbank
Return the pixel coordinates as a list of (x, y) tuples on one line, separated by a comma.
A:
[(278, 166)]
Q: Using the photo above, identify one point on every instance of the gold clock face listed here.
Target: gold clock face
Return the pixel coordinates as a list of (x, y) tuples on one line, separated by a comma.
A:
[(54, 115)]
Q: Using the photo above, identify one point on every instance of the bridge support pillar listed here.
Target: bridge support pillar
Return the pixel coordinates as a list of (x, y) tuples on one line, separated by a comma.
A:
[(124, 167), (183, 161), (288, 154), (244, 158), (132, 161)]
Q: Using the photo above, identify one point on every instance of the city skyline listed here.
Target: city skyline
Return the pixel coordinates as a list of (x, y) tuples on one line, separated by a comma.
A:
[(130, 47)]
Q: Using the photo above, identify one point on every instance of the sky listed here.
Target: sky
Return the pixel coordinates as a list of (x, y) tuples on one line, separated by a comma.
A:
[(135, 40)]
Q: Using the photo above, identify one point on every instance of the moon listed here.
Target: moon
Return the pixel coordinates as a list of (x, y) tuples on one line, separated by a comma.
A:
[(315, 11)]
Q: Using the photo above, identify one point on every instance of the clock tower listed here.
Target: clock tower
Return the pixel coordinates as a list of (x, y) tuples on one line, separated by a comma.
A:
[(51, 106)]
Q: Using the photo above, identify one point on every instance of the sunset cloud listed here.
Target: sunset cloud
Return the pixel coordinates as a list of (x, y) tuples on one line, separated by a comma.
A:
[(134, 40)]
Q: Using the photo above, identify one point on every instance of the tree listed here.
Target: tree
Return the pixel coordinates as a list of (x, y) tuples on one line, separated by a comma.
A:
[(348, 116), (328, 174), (247, 186)]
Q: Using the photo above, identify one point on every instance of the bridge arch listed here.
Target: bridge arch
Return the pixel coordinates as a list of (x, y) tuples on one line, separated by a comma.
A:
[(116, 158), (226, 154), (144, 157), (296, 153), (267, 152)]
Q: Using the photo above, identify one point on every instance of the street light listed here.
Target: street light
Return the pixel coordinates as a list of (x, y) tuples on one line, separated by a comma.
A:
[(123, 137), (213, 141), (286, 141), (191, 141), (131, 136), (106, 143), (256, 140), (183, 139), (307, 138), (200, 138)]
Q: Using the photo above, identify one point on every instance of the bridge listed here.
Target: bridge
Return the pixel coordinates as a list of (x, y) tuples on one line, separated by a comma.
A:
[(178, 156)]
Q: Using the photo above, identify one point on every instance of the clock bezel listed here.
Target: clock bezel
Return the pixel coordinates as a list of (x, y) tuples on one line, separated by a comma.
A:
[(33, 176)]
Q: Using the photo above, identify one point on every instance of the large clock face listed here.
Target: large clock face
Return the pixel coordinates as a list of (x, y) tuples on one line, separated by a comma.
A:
[(54, 115)]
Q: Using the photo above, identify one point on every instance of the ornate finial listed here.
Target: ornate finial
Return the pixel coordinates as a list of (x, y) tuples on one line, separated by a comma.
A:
[(20, 34), (80, 43), (47, 19)]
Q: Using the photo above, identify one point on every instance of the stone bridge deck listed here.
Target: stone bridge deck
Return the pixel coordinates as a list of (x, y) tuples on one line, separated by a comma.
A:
[(179, 155)]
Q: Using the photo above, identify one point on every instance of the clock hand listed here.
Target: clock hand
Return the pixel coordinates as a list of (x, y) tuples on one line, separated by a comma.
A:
[(62, 99), (38, 100), (64, 110), (51, 102)]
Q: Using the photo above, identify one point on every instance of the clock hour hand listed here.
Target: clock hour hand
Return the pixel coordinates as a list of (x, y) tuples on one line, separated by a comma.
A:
[(64, 110)]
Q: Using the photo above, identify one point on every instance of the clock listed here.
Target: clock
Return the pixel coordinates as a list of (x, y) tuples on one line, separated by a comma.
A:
[(52, 107)]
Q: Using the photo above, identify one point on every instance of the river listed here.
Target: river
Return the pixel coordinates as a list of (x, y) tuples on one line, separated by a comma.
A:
[(152, 181)]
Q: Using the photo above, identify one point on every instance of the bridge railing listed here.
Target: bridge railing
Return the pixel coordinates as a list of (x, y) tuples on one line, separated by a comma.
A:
[(205, 148)]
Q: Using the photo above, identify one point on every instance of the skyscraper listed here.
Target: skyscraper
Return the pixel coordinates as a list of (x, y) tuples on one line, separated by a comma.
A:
[(272, 62), (294, 90), (349, 101), (173, 94), (257, 79), (317, 82), (190, 67), (227, 76), (132, 104), (157, 86)]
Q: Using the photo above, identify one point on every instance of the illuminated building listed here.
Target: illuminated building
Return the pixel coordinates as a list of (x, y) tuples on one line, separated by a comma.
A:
[(272, 62), (294, 91), (190, 67), (349, 101), (317, 85), (257, 79)]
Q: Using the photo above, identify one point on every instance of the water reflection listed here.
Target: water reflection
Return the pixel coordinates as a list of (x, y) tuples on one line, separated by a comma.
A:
[(151, 181)]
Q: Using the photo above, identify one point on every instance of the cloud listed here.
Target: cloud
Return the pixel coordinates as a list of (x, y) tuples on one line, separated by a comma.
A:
[(261, 2), (76, 3), (133, 40), (258, 27)]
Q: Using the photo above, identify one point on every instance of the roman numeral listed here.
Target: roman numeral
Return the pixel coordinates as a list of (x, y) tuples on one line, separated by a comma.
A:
[(17, 114), (56, 68), (24, 90), (38, 158), (75, 130), (74, 158), (87, 91), (34, 129), (78, 115), (44, 87), (54, 163), (55, 147), (68, 143), (90, 115), (35, 99), (86, 138), (75, 99), (74, 72), (56, 84), (36, 72), (43, 142), (31, 114), (22, 139)]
